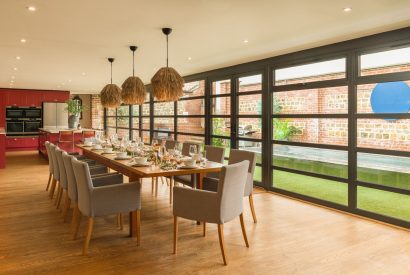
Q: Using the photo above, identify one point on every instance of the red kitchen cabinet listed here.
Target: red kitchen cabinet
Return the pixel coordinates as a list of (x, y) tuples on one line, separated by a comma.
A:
[(33, 98), (56, 96), (21, 143)]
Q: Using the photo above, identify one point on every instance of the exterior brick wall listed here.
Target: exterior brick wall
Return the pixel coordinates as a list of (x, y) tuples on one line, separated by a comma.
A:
[(97, 113)]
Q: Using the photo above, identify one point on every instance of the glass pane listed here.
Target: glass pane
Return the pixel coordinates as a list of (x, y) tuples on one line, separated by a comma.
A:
[(194, 88), (135, 123), (385, 62), (221, 87), (123, 122), (164, 109), (164, 124), (222, 142), (111, 111), (135, 134), (250, 83), (326, 70), (221, 126), (145, 109), (384, 170), (195, 125), (145, 123), (191, 107), (123, 133), (257, 176), (221, 105), (251, 146), (183, 138), (387, 97), (384, 134), (311, 130), (250, 128), (135, 110), (315, 160), (383, 202), (123, 110), (159, 135), (310, 186), (146, 137), (110, 121), (332, 100), (250, 104), (110, 131)]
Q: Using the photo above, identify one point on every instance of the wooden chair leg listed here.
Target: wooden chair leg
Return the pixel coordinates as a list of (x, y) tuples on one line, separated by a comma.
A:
[(67, 203), (87, 238), (152, 185), (222, 242), (59, 197), (167, 180), (171, 190), (162, 180), (138, 227), (120, 221), (243, 230), (175, 233), (74, 217), (252, 208), (204, 229), (77, 224), (156, 186), (58, 192), (53, 187), (49, 181)]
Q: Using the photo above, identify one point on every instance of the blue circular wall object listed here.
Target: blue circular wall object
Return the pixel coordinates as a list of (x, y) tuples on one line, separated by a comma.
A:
[(391, 97)]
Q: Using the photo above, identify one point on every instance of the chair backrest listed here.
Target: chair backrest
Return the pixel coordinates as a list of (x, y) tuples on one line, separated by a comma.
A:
[(215, 154), (61, 168), (71, 183), (84, 186), (169, 144), (185, 148), (56, 170), (231, 188), (50, 159), (87, 134), (240, 155), (66, 136)]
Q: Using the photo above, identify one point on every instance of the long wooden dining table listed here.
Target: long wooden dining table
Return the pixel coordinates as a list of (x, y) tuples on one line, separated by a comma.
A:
[(151, 171)]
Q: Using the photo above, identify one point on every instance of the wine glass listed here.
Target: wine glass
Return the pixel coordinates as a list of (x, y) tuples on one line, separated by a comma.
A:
[(193, 150), (203, 159)]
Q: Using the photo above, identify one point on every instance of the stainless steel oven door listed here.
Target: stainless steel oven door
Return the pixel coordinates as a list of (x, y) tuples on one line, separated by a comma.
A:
[(31, 127), (15, 127)]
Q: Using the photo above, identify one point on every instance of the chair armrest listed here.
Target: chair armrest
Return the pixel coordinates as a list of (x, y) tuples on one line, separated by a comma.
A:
[(117, 198), (194, 204), (210, 184), (98, 169), (107, 179)]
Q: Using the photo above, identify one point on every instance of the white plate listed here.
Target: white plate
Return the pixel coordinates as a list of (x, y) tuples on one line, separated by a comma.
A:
[(122, 158), (188, 166), (141, 164)]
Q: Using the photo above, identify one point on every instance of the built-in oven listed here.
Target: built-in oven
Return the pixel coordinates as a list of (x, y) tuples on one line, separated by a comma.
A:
[(14, 127), (33, 112), (31, 126), (14, 113)]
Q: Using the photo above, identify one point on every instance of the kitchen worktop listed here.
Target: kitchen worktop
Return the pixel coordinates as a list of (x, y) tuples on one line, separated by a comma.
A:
[(54, 130)]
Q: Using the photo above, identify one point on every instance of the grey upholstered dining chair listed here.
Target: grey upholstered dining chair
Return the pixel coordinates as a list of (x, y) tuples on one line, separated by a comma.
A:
[(214, 207), (50, 165), (104, 200), (186, 145), (56, 170), (170, 144), (97, 180), (211, 183)]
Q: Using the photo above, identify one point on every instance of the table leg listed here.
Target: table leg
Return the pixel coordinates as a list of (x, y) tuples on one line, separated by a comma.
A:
[(199, 179), (133, 214)]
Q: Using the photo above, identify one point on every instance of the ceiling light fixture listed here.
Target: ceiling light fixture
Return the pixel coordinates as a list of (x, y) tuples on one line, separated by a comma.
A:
[(189, 58), (18, 57), (133, 89), (167, 84), (111, 93), (31, 8), (245, 41), (15, 69), (347, 9), (23, 40), (83, 74)]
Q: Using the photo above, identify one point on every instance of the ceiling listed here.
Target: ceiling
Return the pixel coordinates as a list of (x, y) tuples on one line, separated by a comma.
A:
[(68, 41)]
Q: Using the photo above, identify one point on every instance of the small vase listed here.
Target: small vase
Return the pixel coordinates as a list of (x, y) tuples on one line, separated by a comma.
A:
[(73, 121)]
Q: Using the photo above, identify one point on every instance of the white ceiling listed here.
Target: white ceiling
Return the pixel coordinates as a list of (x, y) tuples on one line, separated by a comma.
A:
[(68, 37)]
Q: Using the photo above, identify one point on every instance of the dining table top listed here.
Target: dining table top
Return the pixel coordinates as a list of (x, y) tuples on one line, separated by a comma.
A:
[(126, 168)]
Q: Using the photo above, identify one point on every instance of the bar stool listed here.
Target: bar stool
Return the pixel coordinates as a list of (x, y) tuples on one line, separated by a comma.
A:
[(66, 140)]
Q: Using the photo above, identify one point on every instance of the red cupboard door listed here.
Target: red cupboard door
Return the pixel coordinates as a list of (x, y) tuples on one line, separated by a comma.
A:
[(34, 99)]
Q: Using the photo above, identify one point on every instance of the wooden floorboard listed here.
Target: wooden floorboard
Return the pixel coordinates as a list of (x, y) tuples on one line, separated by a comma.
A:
[(291, 237)]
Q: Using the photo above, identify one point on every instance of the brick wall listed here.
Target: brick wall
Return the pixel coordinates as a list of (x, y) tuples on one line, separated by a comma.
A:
[(97, 113)]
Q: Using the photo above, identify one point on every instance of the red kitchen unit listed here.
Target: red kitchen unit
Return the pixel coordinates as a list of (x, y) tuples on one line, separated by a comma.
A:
[(22, 143)]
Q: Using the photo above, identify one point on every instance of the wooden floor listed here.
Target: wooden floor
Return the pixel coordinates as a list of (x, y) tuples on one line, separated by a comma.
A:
[(291, 237)]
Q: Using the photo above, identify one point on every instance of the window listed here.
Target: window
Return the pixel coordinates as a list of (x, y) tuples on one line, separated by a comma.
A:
[(385, 62)]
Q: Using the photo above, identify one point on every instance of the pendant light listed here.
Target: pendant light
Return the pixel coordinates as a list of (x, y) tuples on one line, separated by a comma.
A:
[(133, 89), (111, 93), (167, 84)]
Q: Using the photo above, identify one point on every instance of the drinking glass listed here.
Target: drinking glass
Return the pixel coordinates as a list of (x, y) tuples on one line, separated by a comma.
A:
[(192, 150)]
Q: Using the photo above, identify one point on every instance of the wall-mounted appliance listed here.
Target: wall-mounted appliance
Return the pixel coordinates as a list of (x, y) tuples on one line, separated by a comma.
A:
[(22, 121)]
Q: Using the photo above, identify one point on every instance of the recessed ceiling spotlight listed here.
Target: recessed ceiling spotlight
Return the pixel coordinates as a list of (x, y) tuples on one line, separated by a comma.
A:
[(23, 40), (18, 57), (83, 74), (245, 41), (69, 80), (189, 58), (15, 69), (347, 9), (31, 8), (11, 81)]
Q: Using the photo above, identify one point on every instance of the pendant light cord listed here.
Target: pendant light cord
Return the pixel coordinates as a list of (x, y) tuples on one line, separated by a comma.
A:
[(111, 72), (167, 50), (133, 64)]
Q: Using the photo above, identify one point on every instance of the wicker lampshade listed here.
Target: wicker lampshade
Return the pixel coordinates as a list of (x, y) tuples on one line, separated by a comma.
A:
[(111, 94), (133, 89), (167, 84)]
